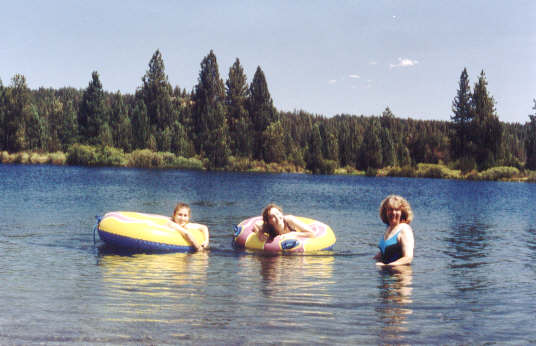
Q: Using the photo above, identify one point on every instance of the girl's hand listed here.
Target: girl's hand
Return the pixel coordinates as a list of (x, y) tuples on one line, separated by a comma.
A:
[(261, 235)]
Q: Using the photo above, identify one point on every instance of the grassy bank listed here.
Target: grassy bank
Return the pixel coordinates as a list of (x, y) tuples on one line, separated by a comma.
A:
[(85, 155), (439, 171), (104, 156)]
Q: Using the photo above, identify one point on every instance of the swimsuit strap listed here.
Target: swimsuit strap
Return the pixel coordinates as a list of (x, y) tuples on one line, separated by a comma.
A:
[(392, 240)]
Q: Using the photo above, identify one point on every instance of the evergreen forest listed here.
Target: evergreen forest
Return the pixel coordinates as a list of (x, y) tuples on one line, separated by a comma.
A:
[(233, 125)]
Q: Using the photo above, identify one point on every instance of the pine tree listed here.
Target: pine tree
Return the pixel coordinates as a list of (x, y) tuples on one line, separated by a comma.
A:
[(531, 140), (18, 112), (388, 126), (461, 143), (273, 140), (3, 111), (371, 150), (261, 110), (141, 129), (92, 116), (36, 130), (68, 129), (331, 142), (486, 127), (210, 122), (388, 148), (121, 126), (315, 158), (240, 125), (156, 93)]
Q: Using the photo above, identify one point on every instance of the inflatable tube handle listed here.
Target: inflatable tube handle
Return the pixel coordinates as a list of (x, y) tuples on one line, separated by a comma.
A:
[(289, 244), (99, 218), (237, 230)]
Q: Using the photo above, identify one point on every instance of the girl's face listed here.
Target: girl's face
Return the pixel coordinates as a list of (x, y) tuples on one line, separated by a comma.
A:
[(182, 216), (275, 218), (393, 215)]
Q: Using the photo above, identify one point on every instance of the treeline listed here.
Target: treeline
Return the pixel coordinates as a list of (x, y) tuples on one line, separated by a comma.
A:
[(232, 124)]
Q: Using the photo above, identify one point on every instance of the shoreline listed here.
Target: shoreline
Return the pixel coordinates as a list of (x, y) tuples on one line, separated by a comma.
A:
[(87, 156)]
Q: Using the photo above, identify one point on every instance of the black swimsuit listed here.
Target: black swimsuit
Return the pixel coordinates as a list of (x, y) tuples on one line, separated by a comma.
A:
[(391, 249)]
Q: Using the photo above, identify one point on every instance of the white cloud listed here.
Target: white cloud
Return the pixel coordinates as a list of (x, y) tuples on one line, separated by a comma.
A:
[(354, 76), (403, 62), (332, 81)]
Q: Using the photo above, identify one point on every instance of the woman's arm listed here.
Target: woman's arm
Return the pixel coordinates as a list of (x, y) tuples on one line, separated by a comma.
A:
[(185, 234), (301, 227), (407, 242)]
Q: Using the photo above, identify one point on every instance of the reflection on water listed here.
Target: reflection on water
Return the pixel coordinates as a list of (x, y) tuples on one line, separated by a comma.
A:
[(292, 287), (531, 248), (138, 285), (286, 274), (395, 307)]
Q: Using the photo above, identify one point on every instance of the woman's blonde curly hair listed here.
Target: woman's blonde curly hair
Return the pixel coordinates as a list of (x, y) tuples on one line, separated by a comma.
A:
[(396, 202)]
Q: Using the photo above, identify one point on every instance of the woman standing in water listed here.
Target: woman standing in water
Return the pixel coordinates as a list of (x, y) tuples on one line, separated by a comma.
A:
[(397, 244)]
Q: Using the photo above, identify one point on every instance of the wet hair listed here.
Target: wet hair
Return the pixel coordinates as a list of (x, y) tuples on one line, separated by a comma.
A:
[(396, 202), (179, 206), (267, 227)]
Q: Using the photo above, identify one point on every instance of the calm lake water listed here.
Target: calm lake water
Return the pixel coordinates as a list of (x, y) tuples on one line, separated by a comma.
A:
[(472, 280)]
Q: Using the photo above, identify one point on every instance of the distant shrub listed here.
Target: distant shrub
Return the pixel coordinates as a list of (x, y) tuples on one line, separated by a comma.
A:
[(167, 159), (143, 158), (324, 167), (348, 170), (531, 176), (57, 158), (472, 175), (22, 157), (188, 163), (433, 172), (499, 173), (82, 155), (466, 164), (295, 157), (439, 171), (406, 171), (239, 164), (371, 172), (36, 158), (5, 157), (109, 156)]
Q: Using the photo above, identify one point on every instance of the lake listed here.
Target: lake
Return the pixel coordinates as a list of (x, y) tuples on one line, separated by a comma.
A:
[(472, 280)]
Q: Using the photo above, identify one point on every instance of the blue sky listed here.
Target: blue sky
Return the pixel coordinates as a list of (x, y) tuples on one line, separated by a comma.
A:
[(324, 57)]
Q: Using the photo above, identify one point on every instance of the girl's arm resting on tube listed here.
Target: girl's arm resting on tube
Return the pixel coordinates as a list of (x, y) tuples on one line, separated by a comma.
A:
[(301, 227), (186, 234)]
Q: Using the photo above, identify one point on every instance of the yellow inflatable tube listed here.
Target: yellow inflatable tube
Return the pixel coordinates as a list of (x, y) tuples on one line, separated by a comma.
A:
[(145, 232)]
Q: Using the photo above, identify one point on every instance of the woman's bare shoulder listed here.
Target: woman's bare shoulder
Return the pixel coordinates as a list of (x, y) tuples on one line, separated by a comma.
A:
[(405, 228)]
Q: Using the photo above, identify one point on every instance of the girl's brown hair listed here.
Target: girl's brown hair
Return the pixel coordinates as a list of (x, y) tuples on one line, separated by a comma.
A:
[(266, 226), (180, 206)]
